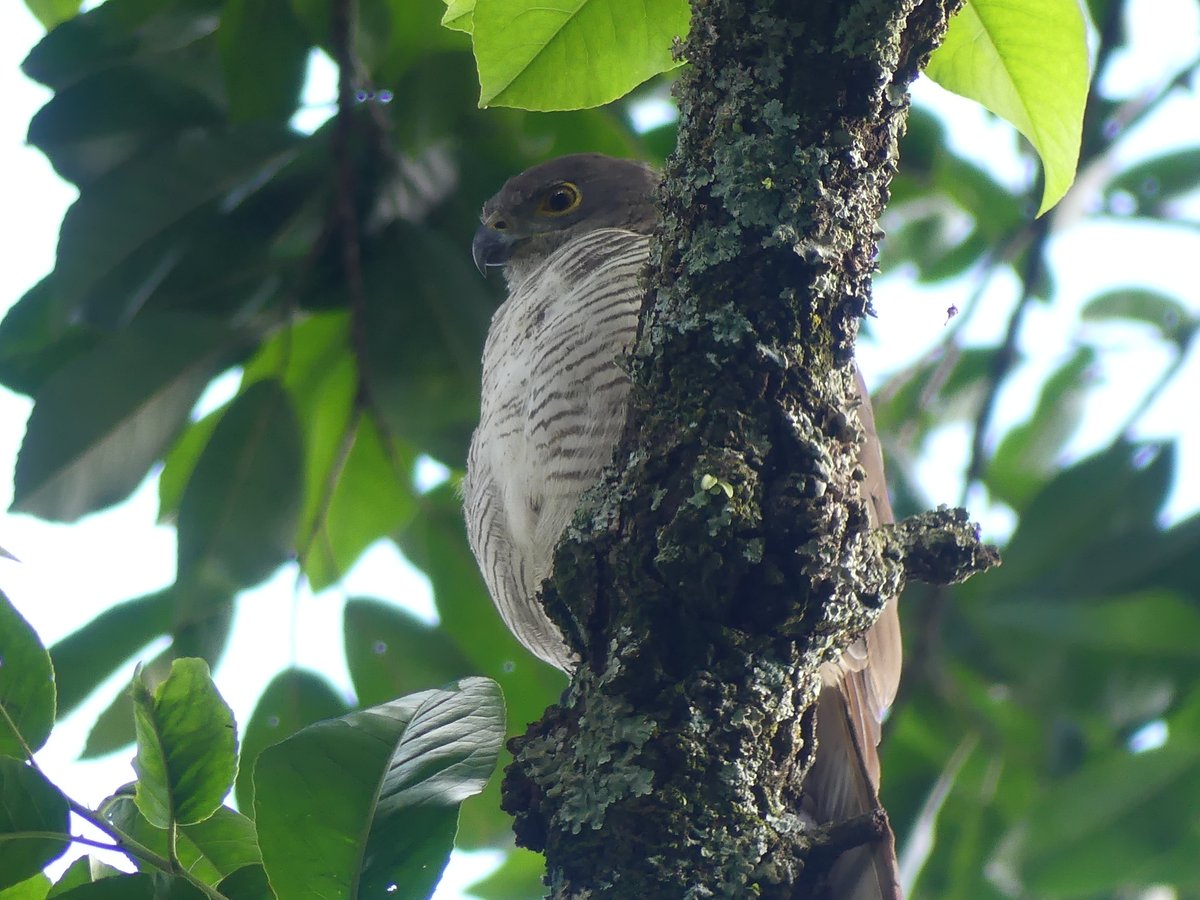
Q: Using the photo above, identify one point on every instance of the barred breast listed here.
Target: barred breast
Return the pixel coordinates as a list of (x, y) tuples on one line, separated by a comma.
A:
[(552, 409)]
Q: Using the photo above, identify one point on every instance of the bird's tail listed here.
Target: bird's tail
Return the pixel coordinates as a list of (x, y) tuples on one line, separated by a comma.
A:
[(842, 785)]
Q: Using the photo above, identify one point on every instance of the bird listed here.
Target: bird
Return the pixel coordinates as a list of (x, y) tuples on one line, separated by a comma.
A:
[(572, 236)]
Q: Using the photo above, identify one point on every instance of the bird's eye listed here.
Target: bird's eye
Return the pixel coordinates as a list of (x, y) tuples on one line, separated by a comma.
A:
[(561, 199), (499, 224)]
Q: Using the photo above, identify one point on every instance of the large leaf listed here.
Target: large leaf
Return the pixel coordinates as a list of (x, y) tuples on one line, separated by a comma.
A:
[(26, 685), (92, 652), (388, 782), (247, 883), (91, 127), (1026, 61), (390, 652), (210, 850), (135, 202), (570, 54), (186, 756), (237, 518), (294, 699), (31, 811), (263, 54), (102, 419), (37, 339)]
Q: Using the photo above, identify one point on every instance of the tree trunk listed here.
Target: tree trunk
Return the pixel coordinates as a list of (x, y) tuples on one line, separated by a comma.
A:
[(729, 551)]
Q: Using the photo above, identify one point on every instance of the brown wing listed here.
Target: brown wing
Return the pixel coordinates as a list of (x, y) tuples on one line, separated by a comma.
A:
[(844, 780)]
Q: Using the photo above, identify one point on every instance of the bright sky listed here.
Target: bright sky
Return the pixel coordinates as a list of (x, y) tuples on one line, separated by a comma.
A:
[(71, 573)]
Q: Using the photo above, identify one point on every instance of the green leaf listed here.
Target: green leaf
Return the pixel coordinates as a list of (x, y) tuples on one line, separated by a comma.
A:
[(136, 887), (180, 462), (201, 629), (89, 128), (77, 873), (390, 652), (37, 339), (51, 12), (247, 883), (1122, 819), (1026, 61), (1167, 315), (26, 684), (237, 518), (371, 498), (134, 203), (35, 888), (28, 804), (1030, 453), (459, 15), (1156, 625), (388, 782), (106, 416), (91, 653), (264, 50), (294, 699), (570, 54), (519, 877), (210, 850), (1161, 179), (187, 743)]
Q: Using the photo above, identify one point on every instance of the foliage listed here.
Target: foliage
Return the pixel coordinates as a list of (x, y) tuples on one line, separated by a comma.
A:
[(332, 272), (387, 782)]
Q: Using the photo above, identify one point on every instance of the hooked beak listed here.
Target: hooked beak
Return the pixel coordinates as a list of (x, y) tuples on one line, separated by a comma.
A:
[(490, 248)]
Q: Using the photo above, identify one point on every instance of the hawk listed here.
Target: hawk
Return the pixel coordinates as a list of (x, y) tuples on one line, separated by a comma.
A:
[(572, 236)]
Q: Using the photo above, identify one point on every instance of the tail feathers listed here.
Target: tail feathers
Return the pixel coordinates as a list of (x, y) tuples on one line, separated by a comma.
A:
[(840, 786)]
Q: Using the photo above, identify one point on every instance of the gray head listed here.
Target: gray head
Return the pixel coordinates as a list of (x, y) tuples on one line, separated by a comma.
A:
[(541, 209)]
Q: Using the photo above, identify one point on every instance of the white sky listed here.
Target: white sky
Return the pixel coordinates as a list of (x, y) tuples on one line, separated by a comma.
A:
[(71, 573)]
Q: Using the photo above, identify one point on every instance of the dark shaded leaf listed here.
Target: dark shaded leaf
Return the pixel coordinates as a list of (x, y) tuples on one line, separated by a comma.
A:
[(1029, 453), (237, 518), (263, 54), (91, 653), (247, 883), (390, 652), (180, 462), (388, 781), (187, 746), (294, 699), (1165, 314), (37, 339), (136, 887), (102, 419), (93, 126), (1112, 493), (1160, 179), (131, 205), (26, 684), (28, 803)]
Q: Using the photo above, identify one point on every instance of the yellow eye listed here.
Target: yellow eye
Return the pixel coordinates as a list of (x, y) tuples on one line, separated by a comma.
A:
[(560, 199)]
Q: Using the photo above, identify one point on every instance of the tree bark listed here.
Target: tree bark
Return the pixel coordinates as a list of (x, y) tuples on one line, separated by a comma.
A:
[(728, 554)]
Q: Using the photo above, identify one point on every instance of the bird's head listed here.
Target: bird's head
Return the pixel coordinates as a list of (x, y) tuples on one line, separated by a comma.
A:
[(541, 209)]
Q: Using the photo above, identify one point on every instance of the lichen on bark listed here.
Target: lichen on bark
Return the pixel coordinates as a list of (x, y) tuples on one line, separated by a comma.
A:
[(729, 553)]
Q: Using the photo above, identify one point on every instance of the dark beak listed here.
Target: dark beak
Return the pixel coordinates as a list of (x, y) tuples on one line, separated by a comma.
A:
[(490, 248)]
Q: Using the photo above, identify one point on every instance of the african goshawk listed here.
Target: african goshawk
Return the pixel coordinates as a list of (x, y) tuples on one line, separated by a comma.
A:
[(572, 236)]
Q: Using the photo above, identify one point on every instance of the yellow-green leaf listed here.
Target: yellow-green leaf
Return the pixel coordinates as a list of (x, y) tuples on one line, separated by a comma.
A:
[(1026, 61), (571, 54)]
